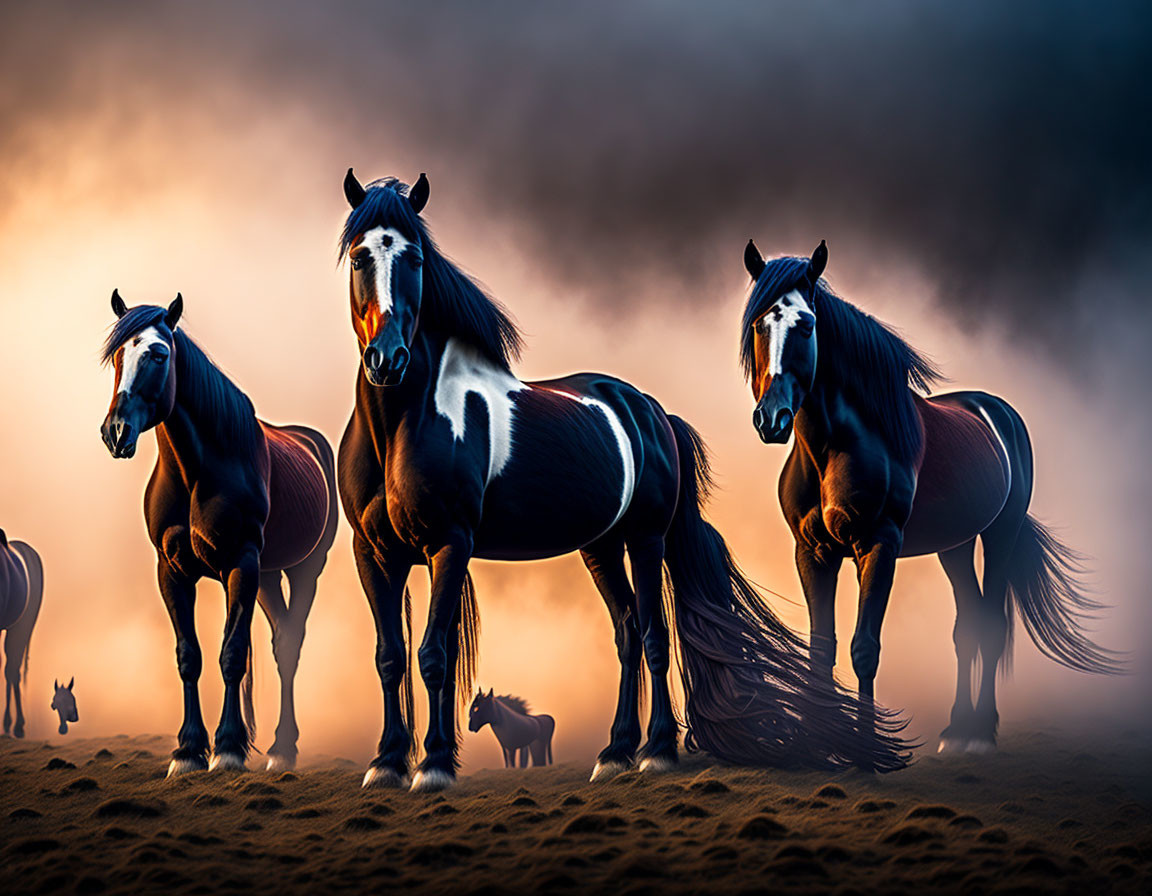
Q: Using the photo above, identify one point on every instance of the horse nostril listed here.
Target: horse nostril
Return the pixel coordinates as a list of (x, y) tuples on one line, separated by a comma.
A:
[(757, 418), (400, 358), (373, 357), (783, 420)]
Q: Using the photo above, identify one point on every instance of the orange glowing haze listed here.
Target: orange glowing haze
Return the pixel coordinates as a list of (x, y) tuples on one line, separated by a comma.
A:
[(237, 203)]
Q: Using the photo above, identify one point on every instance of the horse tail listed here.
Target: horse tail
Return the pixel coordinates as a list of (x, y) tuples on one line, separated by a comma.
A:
[(469, 635), (247, 704), (751, 697), (407, 693), (1046, 587)]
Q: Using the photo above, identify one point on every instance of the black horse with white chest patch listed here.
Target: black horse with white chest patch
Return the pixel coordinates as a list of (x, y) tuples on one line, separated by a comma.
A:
[(231, 498), (448, 456), (880, 472)]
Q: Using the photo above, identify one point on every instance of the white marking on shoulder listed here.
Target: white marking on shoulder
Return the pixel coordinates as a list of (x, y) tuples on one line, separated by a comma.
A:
[(463, 369), (385, 245), (1003, 445), (623, 445), (134, 351), (784, 315)]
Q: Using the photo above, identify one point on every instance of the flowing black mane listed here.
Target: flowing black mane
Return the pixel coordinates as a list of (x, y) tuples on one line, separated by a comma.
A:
[(217, 402), (453, 302), (517, 704), (858, 355)]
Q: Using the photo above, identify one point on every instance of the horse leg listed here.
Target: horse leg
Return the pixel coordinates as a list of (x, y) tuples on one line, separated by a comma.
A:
[(818, 579), (13, 656), (287, 642), (876, 567), (7, 706), (383, 577), (179, 593), (605, 562), (230, 745), (647, 560), (960, 568), (999, 541), (448, 565), (509, 757), (538, 755)]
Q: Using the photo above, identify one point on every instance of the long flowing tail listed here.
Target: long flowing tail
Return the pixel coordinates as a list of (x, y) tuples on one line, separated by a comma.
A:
[(407, 691), (751, 696), (469, 634), (247, 703), (1046, 586)]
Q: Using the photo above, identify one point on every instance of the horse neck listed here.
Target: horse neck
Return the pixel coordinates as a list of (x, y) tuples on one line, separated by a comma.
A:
[(819, 419), (186, 437)]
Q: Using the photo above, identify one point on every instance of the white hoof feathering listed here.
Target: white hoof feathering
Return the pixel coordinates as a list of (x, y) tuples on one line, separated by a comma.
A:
[(229, 762), (981, 746), (607, 770), (279, 763), (655, 765), (381, 777), (431, 780), (183, 767), (951, 745)]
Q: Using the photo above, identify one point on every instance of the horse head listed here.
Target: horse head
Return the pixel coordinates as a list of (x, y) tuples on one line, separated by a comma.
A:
[(779, 343), (141, 348), (482, 710), (64, 702), (383, 241)]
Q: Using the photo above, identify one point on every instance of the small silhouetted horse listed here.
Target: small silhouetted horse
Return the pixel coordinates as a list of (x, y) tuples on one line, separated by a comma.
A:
[(514, 726), (64, 702)]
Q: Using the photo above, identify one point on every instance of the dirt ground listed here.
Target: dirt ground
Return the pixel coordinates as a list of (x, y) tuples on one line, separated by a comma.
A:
[(1049, 812)]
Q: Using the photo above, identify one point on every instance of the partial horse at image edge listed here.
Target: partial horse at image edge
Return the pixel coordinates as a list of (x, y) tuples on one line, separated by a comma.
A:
[(21, 594)]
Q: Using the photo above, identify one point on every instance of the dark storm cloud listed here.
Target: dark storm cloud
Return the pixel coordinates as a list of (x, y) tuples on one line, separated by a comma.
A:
[(1002, 149)]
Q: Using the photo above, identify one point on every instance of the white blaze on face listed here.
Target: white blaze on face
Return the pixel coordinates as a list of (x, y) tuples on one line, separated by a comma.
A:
[(776, 324), (623, 445), (463, 369), (135, 350), (385, 245)]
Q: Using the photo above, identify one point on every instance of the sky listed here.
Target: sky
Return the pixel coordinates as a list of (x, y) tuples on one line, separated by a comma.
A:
[(980, 172)]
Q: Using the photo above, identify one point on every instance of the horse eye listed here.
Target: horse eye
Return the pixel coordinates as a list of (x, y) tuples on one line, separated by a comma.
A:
[(357, 263), (415, 261)]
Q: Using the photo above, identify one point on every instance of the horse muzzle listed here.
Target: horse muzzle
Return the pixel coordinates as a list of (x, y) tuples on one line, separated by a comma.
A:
[(119, 437), (774, 426), (382, 369)]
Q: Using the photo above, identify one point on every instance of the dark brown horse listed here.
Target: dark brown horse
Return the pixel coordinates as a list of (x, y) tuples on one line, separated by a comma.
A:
[(21, 589), (879, 472), (515, 727), (231, 498)]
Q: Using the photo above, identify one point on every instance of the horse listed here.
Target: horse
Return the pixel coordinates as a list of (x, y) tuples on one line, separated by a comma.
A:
[(448, 456), (64, 704), (881, 470), (515, 727), (21, 590), (231, 498)]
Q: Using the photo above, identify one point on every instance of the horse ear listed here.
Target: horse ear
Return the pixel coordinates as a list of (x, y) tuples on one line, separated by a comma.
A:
[(418, 195), (70, 683), (490, 692), (55, 684), (174, 312), (753, 260), (118, 306), (353, 192), (818, 262)]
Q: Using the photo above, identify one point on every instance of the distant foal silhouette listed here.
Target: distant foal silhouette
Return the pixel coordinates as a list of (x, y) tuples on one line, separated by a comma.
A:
[(64, 702), (515, 727)]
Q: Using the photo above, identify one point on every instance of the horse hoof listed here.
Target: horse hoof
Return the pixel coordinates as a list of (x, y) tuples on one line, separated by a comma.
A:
[(382, 777), (179, 767), (656, 765), (228, 762), (980, 746), (605, 771), (431, 780), (277, 763), (951, 745)]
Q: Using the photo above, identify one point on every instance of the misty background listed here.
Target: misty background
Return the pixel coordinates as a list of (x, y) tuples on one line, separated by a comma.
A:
[(980, 172)]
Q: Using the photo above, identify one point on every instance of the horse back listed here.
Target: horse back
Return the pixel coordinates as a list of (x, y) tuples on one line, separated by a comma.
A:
[(301, 483), (964, 477), (13, 585)]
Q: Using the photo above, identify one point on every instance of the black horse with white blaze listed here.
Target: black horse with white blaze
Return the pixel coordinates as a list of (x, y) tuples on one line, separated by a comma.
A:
[(231, 498), (448, 456)]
